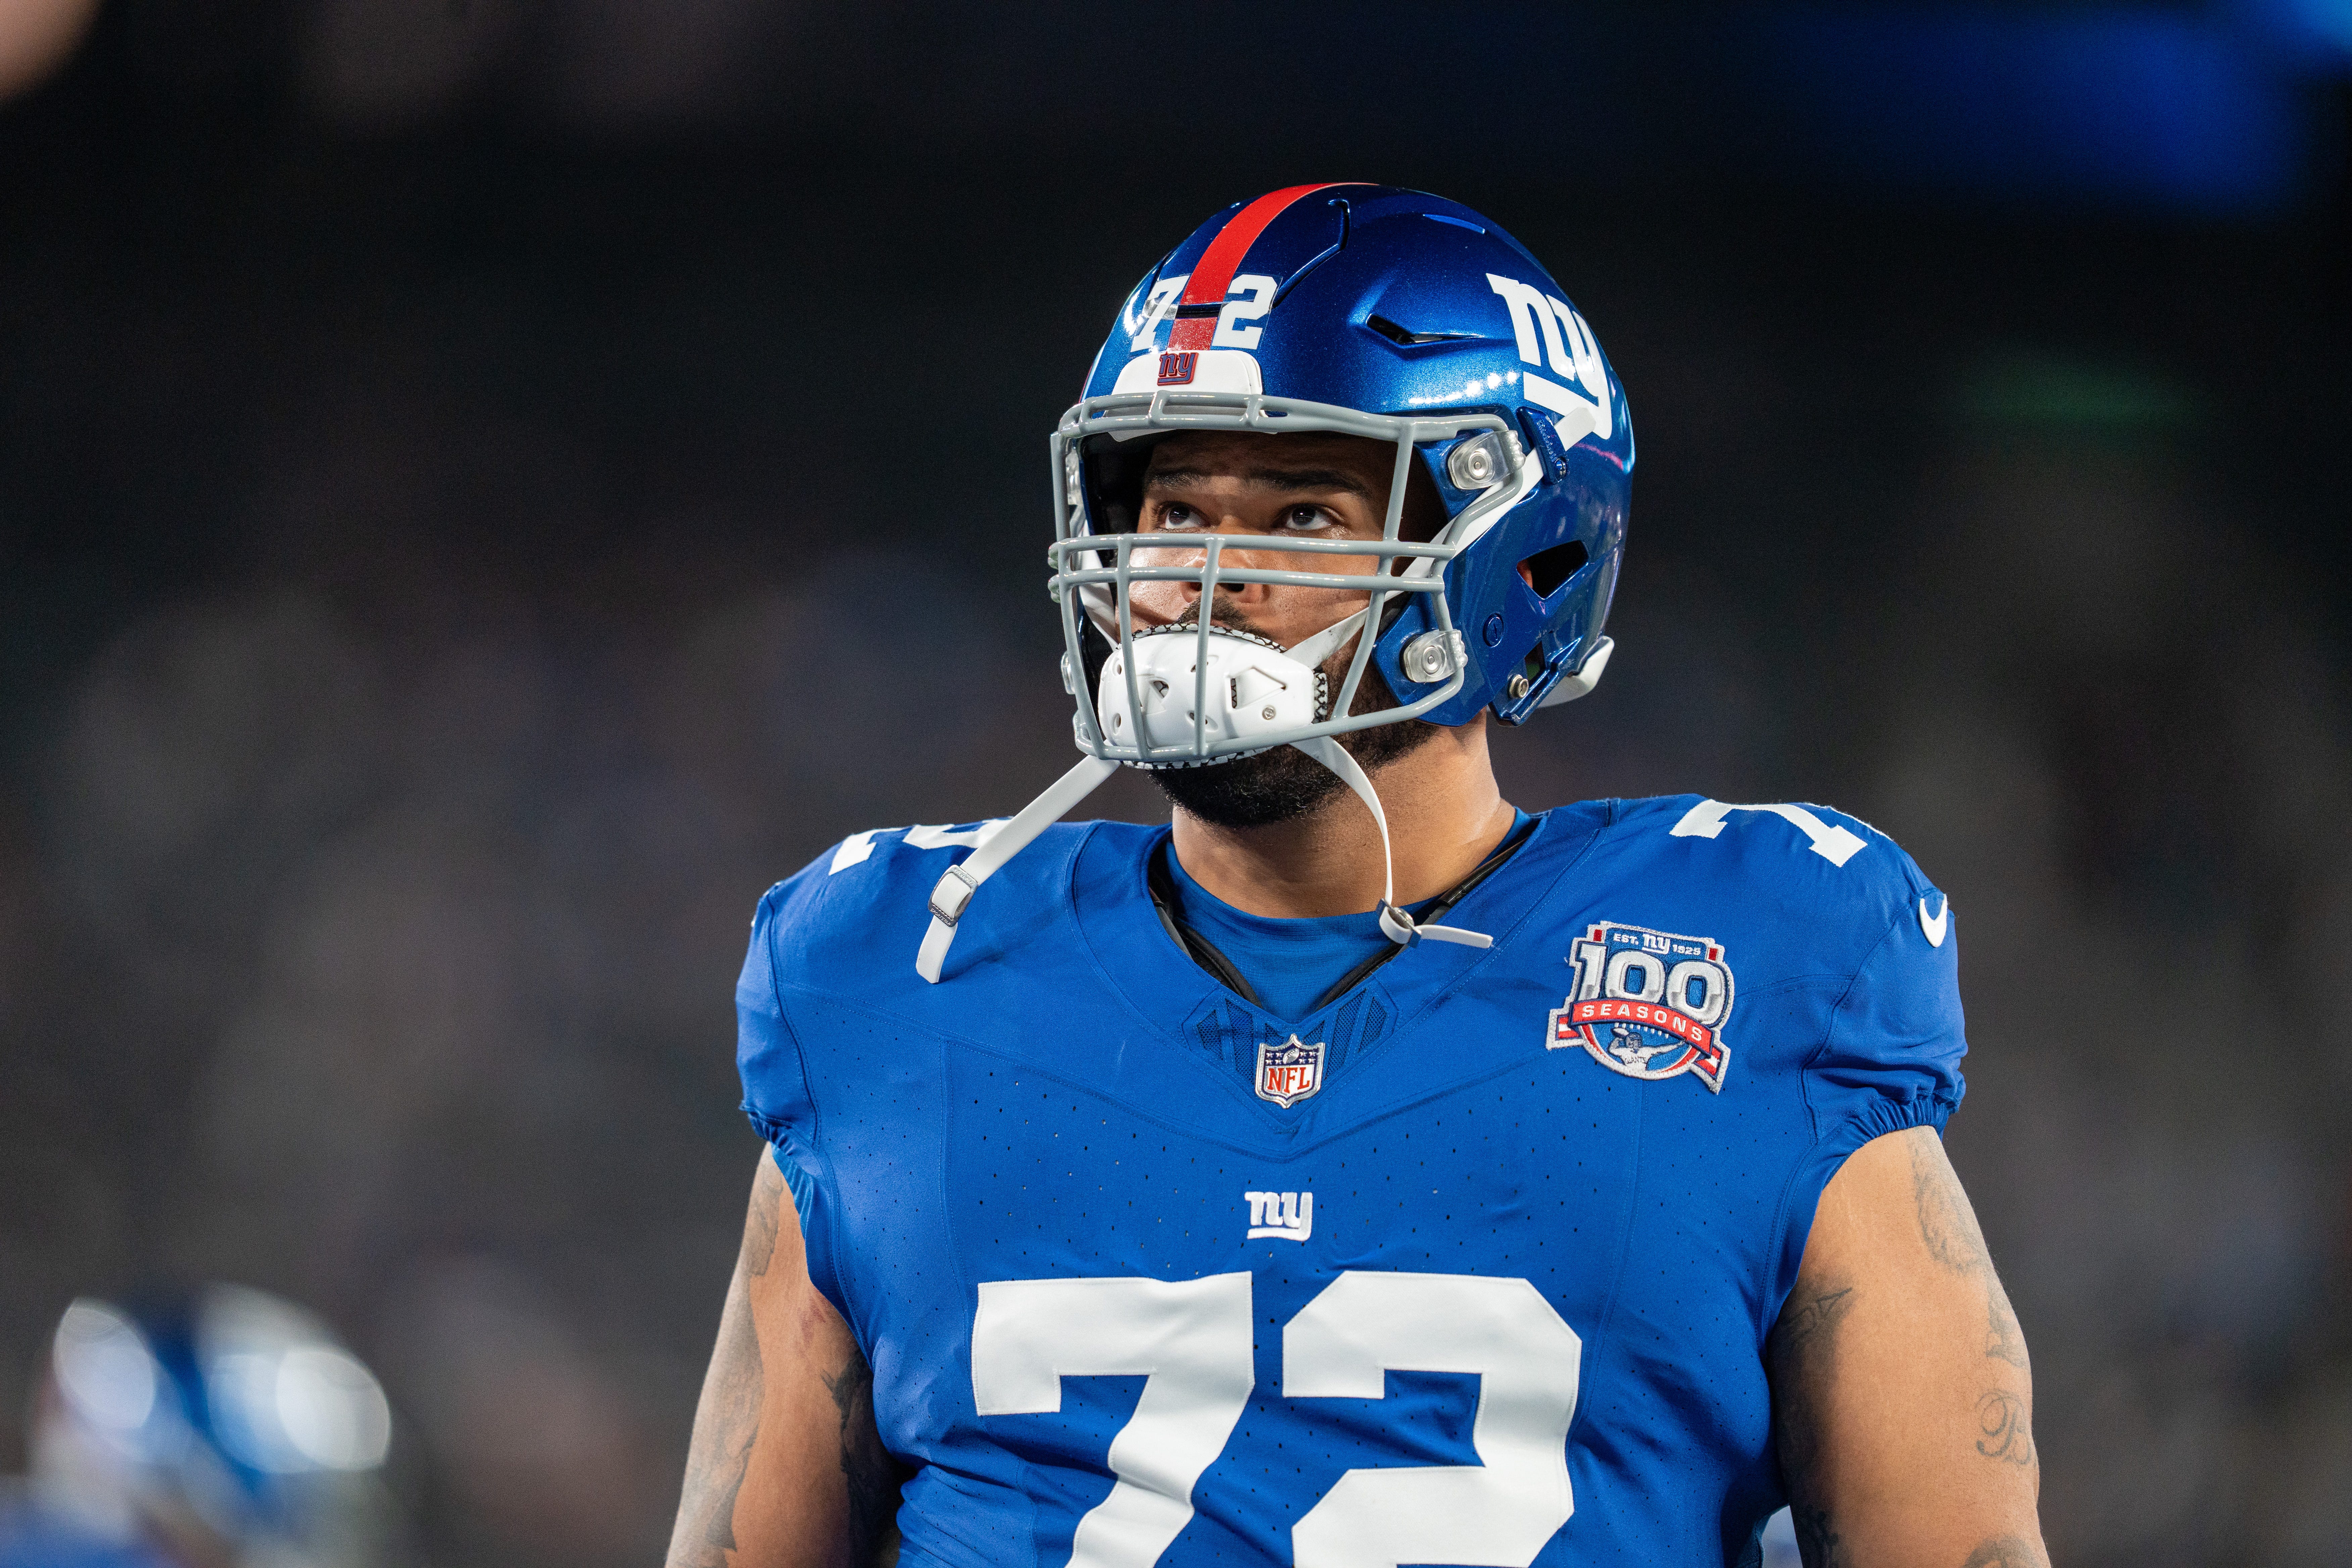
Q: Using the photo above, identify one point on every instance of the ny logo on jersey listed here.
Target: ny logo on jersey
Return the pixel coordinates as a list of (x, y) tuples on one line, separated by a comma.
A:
[(1289, 1072), (1286, 1217), (1548, 328), (1647, 1004)]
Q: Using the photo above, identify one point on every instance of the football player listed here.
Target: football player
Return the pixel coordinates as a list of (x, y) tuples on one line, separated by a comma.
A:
[(1360, 1171)]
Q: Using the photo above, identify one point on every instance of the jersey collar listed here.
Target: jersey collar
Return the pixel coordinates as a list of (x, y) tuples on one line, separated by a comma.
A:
[(1160, 984)]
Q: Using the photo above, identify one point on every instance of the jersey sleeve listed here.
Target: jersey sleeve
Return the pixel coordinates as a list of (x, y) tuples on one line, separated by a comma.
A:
[(776, 1094), (1890, 1058)]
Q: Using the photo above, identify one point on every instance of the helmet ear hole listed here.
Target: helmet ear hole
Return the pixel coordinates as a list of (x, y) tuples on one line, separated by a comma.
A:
[(1548, 570), (1113, 474), (1424, 509)]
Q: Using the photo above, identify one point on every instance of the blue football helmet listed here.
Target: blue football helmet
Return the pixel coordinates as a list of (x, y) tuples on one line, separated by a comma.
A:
[(1370, 311), (1406, 318)]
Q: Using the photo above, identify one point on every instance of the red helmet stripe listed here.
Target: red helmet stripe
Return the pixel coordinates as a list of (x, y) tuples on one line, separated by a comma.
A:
[(1213, 275)]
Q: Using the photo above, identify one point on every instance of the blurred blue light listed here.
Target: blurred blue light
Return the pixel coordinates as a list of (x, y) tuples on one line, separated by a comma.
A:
[(2121, 106), (2325, 23)]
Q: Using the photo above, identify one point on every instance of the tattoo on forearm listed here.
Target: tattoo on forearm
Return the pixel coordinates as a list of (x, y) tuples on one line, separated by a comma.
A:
[(2007, 1429), (1801, 1355), (2007, 1552), (873, 1476)]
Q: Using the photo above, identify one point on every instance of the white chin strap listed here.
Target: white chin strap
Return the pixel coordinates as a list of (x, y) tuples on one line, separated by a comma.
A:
[(953, 893), (951, 896), (1395, 923), (1312, 651)]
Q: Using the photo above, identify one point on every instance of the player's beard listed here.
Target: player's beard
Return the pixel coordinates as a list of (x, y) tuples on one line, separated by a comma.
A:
[(1286, 783)]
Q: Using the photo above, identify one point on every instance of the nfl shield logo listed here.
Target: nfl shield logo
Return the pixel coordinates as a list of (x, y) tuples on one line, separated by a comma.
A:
[(1289, 1072)]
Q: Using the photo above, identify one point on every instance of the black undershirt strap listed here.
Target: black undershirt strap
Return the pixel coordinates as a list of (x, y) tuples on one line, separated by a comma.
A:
[(1196, 946), (1437, 911), (1162, 883)]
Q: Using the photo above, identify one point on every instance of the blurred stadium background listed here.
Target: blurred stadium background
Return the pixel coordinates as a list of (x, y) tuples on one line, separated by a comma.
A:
[(488, 486)]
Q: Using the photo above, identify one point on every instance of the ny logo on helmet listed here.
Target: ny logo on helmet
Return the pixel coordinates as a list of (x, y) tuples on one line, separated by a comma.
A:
[(1549, 329)]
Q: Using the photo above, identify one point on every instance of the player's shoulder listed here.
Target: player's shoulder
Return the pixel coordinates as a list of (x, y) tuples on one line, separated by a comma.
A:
[(858, 910), (1797, 859)]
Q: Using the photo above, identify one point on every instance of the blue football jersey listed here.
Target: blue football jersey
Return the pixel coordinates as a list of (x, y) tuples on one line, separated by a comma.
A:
[(1475, 1265)]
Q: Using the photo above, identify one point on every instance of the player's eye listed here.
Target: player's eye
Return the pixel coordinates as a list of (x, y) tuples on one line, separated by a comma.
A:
[(1306, 519), (1175, 516)]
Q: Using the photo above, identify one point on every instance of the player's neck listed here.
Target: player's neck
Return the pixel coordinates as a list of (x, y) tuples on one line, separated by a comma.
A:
[(1445, 814)]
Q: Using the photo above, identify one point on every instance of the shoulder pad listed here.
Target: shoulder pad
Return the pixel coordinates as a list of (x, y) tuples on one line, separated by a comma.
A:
[(1798, 855), (856, 912)]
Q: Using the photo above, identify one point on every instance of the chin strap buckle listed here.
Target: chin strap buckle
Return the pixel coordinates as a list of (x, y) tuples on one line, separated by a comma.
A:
[(951, 894), (949, 907)]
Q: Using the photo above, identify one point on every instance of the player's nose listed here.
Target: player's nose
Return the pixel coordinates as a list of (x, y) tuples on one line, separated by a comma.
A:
[(1243, 548), (1234, 551)]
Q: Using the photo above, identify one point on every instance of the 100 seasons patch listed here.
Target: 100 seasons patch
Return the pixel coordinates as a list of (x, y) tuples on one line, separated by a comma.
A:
[(1647, 1004)]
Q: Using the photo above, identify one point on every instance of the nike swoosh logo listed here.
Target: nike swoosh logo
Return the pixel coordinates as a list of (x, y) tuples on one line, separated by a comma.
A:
[(1935, 925)]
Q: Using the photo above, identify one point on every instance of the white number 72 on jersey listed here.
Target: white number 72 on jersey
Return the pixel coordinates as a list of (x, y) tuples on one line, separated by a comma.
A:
[(1191, 1340)]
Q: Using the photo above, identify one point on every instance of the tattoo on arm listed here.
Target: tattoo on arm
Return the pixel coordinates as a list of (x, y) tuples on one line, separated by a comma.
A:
[(2007, 1552), (1802, 1353), (767, 1213), (2004, 1339), (727, 1421), (873, 1476), (2004, 1416), (1946, 1223), (1800, 1356), (2007, 1427), (1950, 1228), (726, 1425), (1817, 1544)]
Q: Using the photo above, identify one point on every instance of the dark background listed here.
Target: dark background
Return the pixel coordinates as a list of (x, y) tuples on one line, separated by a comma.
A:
[(489, 485)]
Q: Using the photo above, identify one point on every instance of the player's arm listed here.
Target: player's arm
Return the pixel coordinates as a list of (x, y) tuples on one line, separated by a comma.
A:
[(1901, 1393), (786, 1470)]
